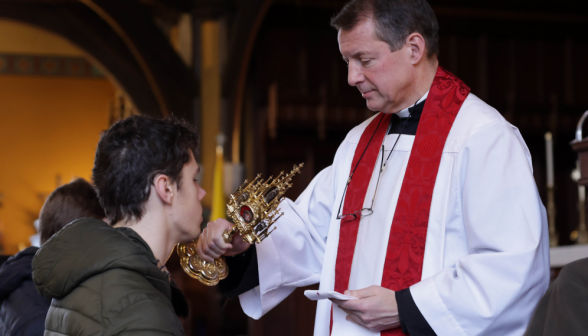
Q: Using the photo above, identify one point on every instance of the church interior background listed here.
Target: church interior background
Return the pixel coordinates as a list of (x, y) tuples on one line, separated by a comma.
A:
[(268, 75)]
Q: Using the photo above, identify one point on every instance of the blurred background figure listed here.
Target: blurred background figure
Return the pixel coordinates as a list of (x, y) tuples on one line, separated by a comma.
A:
[(23, 310), (72, 201), (562, 310), (36, 238)]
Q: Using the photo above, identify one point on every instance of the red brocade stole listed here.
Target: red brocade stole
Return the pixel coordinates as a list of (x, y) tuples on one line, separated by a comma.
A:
[(406, 246)]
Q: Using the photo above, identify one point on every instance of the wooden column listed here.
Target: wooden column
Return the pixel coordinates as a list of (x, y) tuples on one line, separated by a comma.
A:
[(483, 67), (569, 72), (210, 93), (512, 80)]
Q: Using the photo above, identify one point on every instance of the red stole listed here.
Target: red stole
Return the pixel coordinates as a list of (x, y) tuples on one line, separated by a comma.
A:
[(406, 246)]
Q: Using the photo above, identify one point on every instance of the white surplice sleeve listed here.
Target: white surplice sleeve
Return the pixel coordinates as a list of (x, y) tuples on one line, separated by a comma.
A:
[(493, 288), (292, 256)]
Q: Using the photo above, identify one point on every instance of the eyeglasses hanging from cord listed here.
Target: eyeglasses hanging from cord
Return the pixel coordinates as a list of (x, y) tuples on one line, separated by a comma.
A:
[(368, 211)]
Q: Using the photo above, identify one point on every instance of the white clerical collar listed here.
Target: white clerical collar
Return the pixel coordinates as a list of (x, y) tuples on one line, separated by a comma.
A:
[(404, 113)]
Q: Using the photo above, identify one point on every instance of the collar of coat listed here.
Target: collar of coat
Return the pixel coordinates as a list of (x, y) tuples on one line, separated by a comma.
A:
[(88, 247)]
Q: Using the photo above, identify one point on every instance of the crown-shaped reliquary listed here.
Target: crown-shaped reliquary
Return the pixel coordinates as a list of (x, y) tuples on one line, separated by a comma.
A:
[(253, 207)]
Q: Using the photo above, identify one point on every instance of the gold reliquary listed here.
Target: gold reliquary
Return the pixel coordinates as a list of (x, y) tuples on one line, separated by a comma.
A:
[(253, 207)]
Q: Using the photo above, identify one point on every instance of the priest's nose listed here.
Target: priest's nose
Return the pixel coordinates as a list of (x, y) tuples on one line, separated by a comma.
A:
[(354, 74)]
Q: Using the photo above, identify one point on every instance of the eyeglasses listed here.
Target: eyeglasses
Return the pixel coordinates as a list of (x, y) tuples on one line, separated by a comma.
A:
[(365, 211), (369, 211)]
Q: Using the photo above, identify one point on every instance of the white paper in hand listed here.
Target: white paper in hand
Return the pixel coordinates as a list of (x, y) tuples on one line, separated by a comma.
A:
[(321, 295)]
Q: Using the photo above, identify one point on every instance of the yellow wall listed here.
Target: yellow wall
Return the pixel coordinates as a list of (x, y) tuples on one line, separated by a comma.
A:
[(49, 126)]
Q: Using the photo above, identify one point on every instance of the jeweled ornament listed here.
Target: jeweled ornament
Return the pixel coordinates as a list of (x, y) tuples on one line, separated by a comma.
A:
[(246, 214)]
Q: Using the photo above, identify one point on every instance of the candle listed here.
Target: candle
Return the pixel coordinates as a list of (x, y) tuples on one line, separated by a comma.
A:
[(549, 156)]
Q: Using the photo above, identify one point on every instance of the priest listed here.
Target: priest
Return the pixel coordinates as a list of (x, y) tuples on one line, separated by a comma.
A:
[(429, 214)]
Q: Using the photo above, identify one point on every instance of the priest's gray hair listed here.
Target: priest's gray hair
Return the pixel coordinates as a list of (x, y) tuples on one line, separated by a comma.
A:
[(394, 21)]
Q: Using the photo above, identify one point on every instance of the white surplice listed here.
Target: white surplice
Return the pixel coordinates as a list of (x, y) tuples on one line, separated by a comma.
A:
[(486, 262)]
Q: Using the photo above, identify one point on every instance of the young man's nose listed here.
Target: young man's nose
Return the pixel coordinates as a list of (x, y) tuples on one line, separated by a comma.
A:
[(201, 193)]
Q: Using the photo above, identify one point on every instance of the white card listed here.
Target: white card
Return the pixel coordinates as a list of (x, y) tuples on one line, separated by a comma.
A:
[(321, 295)]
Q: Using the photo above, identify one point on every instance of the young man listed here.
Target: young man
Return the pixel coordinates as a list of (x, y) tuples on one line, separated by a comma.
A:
[(22, 309), (111, 279), (429, 215)]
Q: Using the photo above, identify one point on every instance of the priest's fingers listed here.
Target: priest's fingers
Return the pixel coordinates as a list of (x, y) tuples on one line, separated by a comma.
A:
[(344, 304), (223, 224), (205, 242), (206, 247), (367, 292), (218, 244), (214, 233), (337, 302), (214, 251), (354, 318), (363, 308), (364, 320), (378, 312), (201, 254), (239, 246), (213, 243), (373, 323), (354, 313), (357, 305)]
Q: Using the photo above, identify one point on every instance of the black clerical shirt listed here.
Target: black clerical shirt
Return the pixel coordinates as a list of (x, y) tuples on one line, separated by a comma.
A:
[(244, 274)]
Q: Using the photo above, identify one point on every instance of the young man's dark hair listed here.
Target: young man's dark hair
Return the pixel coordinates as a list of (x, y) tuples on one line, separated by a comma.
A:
[(111, 279), (71, 201), (131, 153), (22, 309), (394, 21)]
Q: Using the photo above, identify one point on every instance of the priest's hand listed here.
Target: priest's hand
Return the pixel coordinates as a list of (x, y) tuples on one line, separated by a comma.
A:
[(212, 245), (375, 308)]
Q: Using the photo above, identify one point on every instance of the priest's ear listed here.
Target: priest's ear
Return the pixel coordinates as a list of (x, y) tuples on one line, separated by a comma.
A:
[(417, 45)]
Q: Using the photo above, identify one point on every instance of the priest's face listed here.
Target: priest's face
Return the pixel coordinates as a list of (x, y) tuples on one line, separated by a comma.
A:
[(384, 78)]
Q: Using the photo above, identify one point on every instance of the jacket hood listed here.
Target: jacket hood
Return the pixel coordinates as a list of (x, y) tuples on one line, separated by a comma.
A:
[(88, 247), (16, 270)]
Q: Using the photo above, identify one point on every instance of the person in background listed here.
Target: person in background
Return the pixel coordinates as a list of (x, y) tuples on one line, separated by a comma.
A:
[(22, 309), (110, 279), (562, 310)]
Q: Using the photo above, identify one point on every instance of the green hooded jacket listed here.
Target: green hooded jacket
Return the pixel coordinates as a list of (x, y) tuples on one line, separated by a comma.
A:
[(103, 281)]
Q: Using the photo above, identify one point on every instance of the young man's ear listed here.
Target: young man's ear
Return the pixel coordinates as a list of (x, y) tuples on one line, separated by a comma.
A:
[(163, 187)]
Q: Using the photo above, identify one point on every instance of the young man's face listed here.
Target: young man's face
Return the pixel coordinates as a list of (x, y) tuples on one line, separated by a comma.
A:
[(187, 210), (383, 77)]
